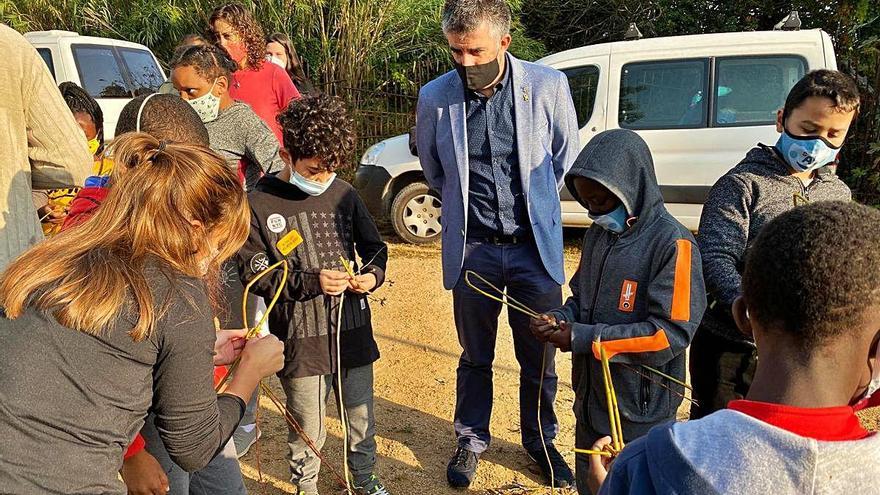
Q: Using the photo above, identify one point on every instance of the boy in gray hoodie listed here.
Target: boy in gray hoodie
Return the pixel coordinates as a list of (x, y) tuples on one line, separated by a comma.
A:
[(811, 301), (768, 182), (639, 290)]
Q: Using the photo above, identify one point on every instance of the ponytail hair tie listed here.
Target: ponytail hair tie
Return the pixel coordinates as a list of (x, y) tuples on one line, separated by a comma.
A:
[(159, 149)]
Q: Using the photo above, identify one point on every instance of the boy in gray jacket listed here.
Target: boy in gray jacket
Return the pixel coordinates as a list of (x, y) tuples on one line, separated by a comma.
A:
[(639, 290), (768, 182)]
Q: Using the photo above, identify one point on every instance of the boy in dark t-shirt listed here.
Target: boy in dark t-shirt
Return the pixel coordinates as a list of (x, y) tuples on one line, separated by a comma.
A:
[(333, 222)]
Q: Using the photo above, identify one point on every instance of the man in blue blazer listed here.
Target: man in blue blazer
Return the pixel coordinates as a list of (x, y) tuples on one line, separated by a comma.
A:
[(495, 138)]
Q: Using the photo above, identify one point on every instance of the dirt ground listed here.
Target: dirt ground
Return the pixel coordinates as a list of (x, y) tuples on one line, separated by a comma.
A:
[(415, 396)]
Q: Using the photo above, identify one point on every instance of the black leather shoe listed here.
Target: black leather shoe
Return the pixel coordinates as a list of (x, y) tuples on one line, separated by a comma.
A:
[(462, 467), (562, 476)]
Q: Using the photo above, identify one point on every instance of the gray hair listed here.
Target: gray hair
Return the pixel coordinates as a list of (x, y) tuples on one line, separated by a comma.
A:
[(465, 16)]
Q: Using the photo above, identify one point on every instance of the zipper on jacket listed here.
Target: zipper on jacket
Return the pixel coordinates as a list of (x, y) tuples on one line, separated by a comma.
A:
[(614, 238), (645, 395)]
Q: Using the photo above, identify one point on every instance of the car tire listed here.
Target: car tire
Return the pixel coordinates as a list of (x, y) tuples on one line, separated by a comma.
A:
[(415, 214)]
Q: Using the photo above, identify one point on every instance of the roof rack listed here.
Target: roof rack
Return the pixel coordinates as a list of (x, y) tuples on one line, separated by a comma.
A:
[(632, 33), (791, 23)]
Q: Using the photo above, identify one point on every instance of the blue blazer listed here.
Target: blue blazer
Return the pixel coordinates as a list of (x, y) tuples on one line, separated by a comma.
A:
[(547, 145)]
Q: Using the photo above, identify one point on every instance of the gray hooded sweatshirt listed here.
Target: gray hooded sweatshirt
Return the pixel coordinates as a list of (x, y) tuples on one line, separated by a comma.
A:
[(730, 452), (757, 190), (641, 292)]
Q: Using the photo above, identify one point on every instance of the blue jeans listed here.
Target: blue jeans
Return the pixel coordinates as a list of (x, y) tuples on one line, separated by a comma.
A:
[(518, 269), (222, 476)]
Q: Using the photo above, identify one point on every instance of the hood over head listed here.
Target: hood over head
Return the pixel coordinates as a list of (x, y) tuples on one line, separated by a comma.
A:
[(620, 160)]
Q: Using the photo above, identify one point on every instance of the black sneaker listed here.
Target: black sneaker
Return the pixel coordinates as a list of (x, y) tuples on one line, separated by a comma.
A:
[(562, 476), (462, 468)]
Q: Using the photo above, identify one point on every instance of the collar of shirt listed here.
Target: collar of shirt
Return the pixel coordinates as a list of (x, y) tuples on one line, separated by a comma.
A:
[(828, 424)]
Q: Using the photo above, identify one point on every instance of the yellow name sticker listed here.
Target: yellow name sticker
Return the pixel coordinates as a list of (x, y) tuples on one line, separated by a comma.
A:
[(289, 242)]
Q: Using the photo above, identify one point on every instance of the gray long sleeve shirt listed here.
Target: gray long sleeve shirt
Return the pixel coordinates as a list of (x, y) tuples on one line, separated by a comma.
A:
[(746, 198), (240, 136), (70, 402)]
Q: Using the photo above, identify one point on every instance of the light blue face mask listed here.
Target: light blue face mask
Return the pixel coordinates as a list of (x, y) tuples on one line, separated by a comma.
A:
[(614, 221), (806, 153), (308, 186)]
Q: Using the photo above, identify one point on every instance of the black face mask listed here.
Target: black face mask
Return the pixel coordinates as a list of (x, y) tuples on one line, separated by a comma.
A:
[(477, 77)]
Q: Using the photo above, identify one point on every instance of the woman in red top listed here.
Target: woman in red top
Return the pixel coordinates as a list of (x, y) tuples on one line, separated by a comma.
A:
[(266, 87)]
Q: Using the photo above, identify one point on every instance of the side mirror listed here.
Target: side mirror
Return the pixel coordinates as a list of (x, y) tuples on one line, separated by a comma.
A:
[(412, 141)]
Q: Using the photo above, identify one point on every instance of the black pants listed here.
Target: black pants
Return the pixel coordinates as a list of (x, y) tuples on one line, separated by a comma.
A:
[(721, 371)]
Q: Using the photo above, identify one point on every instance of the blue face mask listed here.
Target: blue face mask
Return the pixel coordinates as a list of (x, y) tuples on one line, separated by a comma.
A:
[(806, 153), (614, 221), (308, 186)]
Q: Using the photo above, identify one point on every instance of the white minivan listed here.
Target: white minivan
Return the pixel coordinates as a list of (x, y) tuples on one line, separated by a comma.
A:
[(112, 71), (700, 102)]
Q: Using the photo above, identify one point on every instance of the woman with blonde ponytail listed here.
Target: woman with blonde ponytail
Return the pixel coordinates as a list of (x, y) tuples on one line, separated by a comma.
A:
[(114, 317)]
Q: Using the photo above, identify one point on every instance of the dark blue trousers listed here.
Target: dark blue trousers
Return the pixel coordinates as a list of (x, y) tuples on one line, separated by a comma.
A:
[(518, 269)]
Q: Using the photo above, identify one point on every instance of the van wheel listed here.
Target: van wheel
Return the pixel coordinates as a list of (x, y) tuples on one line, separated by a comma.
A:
[(415, 214)]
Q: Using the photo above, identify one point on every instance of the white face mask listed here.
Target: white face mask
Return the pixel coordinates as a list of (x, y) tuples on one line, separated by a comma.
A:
[(308, 186), (207, 105), (277, 61)]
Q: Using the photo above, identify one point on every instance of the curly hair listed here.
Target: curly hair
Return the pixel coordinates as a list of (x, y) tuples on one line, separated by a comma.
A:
[(814, 272), (242, 20), (318, 126), (80, 101), (209, 61)]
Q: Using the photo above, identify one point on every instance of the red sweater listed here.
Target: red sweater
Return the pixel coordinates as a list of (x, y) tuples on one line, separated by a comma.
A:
[(267, 90)]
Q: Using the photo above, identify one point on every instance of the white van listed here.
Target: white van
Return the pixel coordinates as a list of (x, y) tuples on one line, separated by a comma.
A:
[(112, 71), (701, 102)]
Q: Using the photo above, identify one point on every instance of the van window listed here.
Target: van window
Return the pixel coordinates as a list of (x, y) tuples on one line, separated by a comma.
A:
[(46, 55), (751, 89), (583, 82), (664, 94), (99, 72), (145, 74)]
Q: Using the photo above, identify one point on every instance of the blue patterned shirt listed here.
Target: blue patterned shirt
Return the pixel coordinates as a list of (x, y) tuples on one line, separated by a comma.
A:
[(496, 204)]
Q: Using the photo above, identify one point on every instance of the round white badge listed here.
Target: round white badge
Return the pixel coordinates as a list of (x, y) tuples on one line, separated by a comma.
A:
[(259, 262), (276, 223)]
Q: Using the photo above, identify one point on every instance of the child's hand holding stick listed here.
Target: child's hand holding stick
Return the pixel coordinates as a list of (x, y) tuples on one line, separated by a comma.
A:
[(600, 463), (334, 282), (362, 284), (229, 345), (547, 329), (543, 327)]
